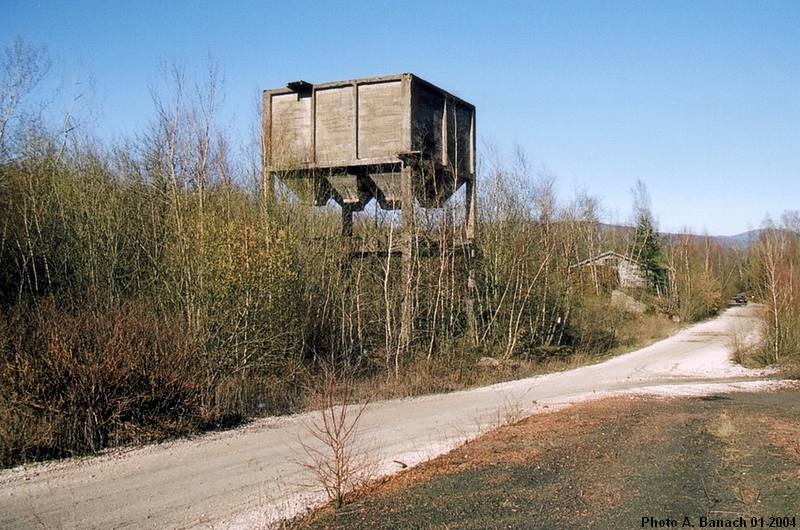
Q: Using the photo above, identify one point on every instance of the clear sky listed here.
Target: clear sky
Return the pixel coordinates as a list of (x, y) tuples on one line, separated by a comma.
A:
[(700, 100)]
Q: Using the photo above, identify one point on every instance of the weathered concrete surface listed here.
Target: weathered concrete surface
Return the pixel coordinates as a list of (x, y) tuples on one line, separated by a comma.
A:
[(248, 476)]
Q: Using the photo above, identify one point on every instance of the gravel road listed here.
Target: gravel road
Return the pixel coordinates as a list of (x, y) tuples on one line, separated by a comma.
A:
[(247, 477)]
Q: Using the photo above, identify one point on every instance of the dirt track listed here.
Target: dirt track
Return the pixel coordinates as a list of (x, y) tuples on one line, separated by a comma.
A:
[(246, 477)]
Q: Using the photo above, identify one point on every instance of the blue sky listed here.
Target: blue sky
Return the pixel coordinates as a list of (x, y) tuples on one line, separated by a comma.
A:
[(699, 100)]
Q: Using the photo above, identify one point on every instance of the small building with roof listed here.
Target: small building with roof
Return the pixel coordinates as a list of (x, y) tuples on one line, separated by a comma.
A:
[(625, 271)]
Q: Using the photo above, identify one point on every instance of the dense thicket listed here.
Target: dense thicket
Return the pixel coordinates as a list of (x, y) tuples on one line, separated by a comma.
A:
[(148, 289), (774, 277)]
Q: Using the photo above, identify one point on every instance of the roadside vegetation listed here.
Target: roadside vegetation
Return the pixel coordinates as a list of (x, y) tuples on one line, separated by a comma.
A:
[(149, 288), (773, 276)]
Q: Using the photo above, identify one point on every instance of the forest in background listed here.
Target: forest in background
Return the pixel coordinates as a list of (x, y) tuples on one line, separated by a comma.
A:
[(148, 290)]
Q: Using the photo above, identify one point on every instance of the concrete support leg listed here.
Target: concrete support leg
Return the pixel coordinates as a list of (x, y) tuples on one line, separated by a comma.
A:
[(267, 189), (471, 211), (406, 318), (347, 221), (347, 253)]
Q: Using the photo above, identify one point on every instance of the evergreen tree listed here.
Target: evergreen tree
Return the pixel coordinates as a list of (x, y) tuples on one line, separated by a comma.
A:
[(646, 246), (647, 250)]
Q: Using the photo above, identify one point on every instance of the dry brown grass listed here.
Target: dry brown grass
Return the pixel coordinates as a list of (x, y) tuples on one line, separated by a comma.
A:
[(646, 329), (459, 372)]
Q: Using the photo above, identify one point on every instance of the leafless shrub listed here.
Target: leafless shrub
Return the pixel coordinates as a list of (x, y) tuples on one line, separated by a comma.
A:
[(741, 348), (335, 455), (78, 383), (510, 412)]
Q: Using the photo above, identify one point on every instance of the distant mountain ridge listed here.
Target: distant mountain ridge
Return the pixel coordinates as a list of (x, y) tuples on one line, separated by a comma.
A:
[(741, 241)]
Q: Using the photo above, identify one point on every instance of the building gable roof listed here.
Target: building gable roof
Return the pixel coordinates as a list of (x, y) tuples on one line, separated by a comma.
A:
[(604, 255)]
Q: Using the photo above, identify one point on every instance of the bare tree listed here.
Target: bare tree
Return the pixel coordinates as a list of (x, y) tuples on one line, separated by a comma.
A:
[(776, 252), (22, 67)]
